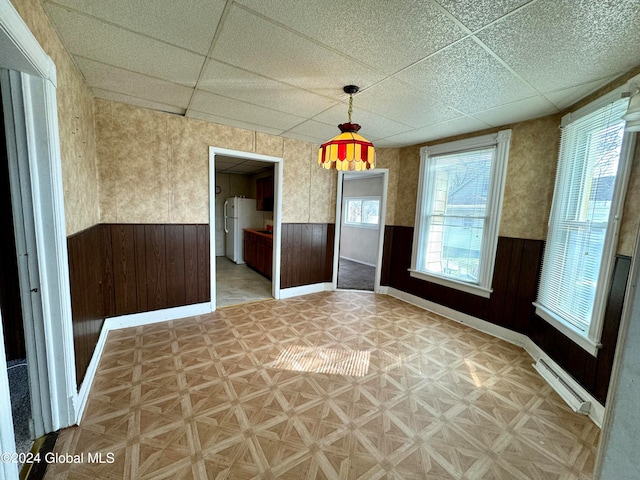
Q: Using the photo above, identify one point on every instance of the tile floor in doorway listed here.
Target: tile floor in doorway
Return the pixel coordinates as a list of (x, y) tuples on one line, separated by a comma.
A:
[(405, 394), (239, 284)]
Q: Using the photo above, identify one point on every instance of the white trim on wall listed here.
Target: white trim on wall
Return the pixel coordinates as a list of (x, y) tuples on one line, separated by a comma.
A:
[(128, 321), (305, 290), (277, 213), (384, 173), (596, 412), (34, 152)]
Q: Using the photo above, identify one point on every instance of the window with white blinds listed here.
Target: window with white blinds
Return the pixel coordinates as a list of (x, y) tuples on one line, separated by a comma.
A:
[(580, 238), (458, 212)]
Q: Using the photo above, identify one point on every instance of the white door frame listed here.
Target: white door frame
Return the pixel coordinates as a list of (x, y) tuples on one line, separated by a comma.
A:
[(384, 172), (277, 213), (31, 120)]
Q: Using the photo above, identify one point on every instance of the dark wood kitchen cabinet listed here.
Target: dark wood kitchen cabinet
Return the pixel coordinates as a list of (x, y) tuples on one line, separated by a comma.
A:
[(258, 252), (264, 194)]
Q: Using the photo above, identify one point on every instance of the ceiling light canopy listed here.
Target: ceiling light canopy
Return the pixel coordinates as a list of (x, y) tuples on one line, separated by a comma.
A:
[(348, 151)]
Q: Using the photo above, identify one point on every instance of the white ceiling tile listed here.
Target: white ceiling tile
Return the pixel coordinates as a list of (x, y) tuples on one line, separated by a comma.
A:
[(279, 66), (106, 77), (304, 138), (139, 102), (373, 125), (311, 130), (519, 111), (556, 45), (90, 38), (390, 35), (466, 77), (253, 163), (235, 83), (222, 165), (276, 52), (475, 14), (242, 168), (235, 109), (398, 101), (568, 96), (188, 23), (207, 117), (449, 128)]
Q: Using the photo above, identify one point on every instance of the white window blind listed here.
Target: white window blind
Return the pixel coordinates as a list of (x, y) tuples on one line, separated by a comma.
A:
[(580, 218)]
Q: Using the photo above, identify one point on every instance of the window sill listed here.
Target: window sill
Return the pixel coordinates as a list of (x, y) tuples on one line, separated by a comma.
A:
[(448, 282), (574, 334)]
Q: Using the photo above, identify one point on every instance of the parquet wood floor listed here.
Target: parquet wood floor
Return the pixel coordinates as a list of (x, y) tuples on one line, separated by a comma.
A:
[(228, 396)]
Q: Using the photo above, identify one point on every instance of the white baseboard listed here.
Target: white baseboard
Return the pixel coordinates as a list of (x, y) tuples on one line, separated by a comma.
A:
[(83, 393), (126, 321), (474, 322), (596, 412), (155, 316), (305, 290)]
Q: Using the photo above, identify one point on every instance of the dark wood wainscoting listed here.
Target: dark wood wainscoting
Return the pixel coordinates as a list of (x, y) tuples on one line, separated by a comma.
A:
[(594, 373), (87, 283), (119, 269), (515, 281), (157, 266), (307, 254)]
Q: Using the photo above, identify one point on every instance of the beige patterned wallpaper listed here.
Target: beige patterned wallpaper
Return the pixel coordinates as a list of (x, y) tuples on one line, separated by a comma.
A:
[(631, 211), (531, 174), (528, 186), (529, 183), (407, 186), (154, 167), (127, 164), (389, 158), (75, 121)]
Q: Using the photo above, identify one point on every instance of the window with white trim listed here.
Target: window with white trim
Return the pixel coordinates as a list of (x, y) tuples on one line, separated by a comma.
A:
[(458, 212), (583, 224), (362, 211)]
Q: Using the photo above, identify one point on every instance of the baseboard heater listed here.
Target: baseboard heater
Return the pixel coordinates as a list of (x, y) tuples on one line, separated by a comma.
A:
[(568, 394)]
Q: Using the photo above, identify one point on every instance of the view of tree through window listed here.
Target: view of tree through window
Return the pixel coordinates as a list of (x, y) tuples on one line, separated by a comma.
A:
[(362, 211)]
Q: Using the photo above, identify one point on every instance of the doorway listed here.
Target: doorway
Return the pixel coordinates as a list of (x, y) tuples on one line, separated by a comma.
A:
[(27, 76), (11, 310), (245, 226), (360, 221)]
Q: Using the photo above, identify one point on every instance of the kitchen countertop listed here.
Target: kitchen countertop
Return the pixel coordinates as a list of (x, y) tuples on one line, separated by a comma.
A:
[(262, 233)]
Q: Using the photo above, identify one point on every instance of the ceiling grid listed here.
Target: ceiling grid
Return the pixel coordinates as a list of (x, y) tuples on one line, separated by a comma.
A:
[(426, 70)]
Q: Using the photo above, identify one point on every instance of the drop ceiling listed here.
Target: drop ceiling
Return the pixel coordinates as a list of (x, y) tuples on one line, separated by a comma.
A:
[(426, 69), (241, 166)]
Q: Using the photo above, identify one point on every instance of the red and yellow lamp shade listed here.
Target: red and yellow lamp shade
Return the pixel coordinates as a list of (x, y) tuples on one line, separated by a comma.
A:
[(348, 151)]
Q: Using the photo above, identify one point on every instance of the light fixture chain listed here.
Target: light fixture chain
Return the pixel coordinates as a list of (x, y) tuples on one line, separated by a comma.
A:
[(350, 107)]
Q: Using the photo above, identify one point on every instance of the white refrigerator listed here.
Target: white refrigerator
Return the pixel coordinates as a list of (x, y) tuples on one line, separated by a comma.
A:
[(239, 213)]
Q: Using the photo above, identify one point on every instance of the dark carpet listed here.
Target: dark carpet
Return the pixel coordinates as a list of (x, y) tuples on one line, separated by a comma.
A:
[(20, 403), (355, 276)]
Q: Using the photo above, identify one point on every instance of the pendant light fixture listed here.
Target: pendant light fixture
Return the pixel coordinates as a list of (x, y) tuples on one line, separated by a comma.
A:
[(347, 151)]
